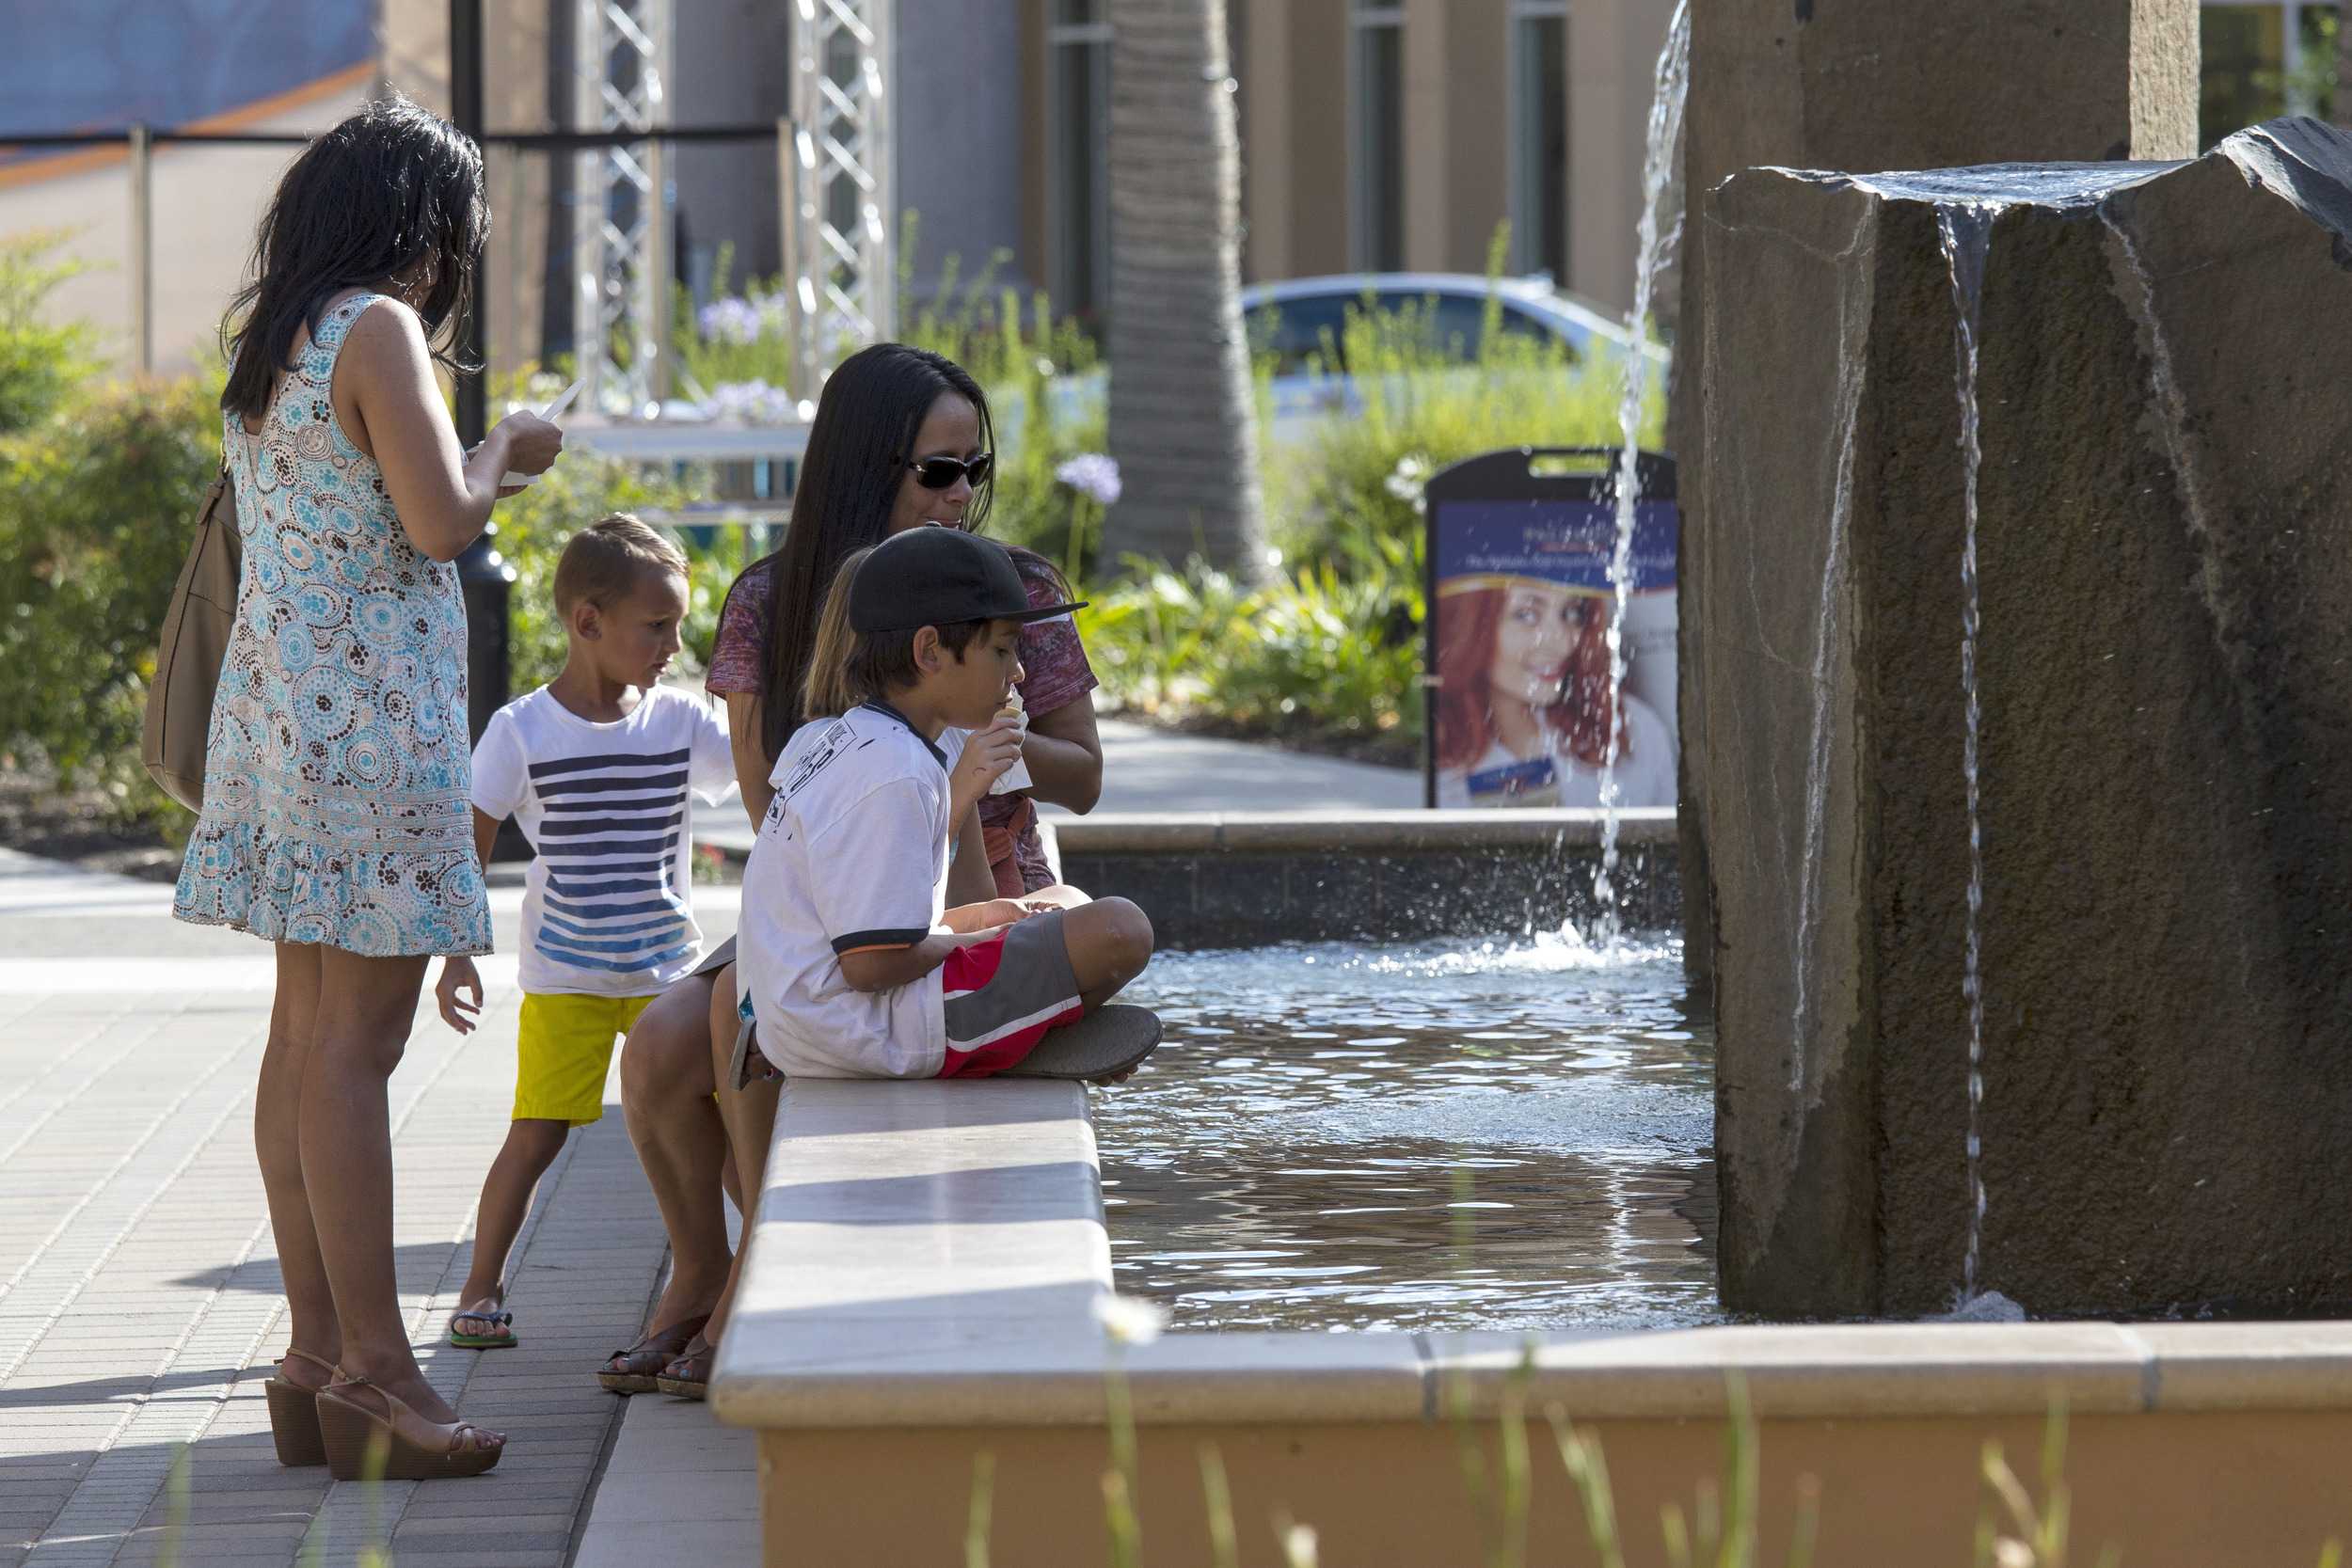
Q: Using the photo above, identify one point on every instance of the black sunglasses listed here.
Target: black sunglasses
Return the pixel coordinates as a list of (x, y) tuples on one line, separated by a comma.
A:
[(938, 473)]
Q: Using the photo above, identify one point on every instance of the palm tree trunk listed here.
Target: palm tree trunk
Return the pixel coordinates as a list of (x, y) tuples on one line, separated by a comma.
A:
[(1182, 413)]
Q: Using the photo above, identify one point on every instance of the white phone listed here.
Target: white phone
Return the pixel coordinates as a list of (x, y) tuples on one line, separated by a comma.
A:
[(551, 413)]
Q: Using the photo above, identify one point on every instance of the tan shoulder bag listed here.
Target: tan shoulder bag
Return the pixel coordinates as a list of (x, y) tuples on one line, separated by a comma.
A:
[(188, 655)]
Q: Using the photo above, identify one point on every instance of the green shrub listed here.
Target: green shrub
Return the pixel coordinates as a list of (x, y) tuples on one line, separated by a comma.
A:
[(95, 506), (533, 528), (737, 352), (1356, 482), (1324, 654), (41, 361)]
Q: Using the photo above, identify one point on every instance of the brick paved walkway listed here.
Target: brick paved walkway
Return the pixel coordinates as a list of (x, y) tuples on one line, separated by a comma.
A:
[(140, 1302)]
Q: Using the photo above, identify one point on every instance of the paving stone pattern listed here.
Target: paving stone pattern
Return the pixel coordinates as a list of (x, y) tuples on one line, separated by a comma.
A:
[(139, 1304)]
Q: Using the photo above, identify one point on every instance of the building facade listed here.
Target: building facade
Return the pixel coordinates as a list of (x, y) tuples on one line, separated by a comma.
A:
[(1377, 135)]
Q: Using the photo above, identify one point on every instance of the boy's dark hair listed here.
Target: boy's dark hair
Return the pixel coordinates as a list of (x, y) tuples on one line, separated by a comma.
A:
[(605, 561), (390, 186), (880, 660)]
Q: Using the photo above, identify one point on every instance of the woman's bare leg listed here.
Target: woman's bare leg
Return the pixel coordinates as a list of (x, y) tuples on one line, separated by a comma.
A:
[(366, 1009), (750, 1118), (278, 1143), (666, 1082)]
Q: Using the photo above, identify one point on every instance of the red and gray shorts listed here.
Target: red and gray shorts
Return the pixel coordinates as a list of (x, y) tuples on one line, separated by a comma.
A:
[(1000, 997)]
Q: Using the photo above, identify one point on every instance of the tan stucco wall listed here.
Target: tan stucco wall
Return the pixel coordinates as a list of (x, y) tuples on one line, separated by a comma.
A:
[(1612, 65), (1458, 134), (2180, 1491), (209, 200)]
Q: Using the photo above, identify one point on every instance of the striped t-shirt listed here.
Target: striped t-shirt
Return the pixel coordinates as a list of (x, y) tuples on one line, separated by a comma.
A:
[(607, 906)]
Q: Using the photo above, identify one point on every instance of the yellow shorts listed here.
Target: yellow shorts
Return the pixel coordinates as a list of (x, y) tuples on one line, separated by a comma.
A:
[(564, 1052)]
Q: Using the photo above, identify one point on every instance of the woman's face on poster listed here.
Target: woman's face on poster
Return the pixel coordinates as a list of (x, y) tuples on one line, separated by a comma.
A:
[(1534, 643)]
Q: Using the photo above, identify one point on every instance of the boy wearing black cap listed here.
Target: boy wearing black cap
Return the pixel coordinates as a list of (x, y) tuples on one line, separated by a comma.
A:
[(851, 964)]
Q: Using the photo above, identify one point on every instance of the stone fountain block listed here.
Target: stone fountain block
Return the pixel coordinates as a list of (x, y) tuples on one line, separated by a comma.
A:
[(2166, 558)]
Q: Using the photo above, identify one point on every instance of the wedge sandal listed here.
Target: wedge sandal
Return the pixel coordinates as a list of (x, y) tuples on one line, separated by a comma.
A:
[(637, 1369), (408, 1447), (689, 1376), (294, 1413)]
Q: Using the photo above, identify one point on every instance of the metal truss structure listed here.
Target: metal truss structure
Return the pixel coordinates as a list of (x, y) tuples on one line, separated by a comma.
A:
[(620, 217), (840, 197)]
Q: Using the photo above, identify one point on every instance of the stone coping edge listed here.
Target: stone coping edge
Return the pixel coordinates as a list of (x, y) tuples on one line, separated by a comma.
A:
[(930, 1255), (1351, 831), (1054, 1373)]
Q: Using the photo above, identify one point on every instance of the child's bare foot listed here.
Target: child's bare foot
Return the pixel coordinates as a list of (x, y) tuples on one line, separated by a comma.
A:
[(482, 1324)]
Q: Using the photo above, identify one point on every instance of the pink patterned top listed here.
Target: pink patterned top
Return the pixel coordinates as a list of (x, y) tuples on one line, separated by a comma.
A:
[(1054, 675)]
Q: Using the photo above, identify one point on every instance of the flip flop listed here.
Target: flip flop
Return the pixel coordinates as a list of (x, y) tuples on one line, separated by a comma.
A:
[(641, 1365), (1110, 1040), (484, 1341)]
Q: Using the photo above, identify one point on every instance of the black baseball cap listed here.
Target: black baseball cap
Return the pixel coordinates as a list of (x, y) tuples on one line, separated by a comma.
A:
[(933, 577)]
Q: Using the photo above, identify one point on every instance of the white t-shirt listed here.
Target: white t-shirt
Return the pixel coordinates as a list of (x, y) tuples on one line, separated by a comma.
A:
[(607, 908), (1646, 774), (853, 854)]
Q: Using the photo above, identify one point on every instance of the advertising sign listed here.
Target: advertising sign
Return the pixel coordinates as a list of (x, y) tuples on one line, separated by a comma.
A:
[(1520, 600)]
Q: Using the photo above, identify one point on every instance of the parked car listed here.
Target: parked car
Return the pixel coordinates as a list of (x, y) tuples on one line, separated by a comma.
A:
[(1291, 320), (1295, 318)]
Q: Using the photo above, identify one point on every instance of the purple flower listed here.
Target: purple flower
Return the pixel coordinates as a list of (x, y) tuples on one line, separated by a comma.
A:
[(1092, 474), (751, 401), (730, 319)]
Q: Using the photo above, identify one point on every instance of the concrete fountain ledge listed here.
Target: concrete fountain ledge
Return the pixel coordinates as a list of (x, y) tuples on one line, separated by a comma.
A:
[(928, 1262), (1244, 878)]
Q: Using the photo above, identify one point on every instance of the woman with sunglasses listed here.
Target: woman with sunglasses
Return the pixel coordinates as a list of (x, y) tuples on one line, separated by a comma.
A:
[(902, 439)]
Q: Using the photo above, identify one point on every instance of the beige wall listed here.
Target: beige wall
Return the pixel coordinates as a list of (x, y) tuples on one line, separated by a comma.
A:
[(208, 200), (1458, 134), (1613, 65), (2181, 1491), (1458, 125), (1294, 115), (415, 61)]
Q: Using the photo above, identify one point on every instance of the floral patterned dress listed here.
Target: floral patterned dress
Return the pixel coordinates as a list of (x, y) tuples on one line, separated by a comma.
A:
[(337, 767)]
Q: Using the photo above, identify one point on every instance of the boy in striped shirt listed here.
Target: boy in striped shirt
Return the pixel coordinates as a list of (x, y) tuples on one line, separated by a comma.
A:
[(600, 769)]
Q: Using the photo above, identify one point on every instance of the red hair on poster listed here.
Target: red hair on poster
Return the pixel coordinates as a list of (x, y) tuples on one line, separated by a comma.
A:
[(1534, 647)]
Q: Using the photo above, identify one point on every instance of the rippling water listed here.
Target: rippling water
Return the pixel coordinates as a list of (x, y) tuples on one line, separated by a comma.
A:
[(1456, 1136)]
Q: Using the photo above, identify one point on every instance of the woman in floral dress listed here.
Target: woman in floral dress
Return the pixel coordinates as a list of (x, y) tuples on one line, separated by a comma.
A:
[(335, 823)]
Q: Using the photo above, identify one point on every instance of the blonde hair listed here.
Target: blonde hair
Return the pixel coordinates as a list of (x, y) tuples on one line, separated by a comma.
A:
[(827, 691), (604, 561)]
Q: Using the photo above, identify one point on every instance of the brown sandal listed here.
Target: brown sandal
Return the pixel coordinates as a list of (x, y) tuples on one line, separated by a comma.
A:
[(293, 1412), (407, 1446), (689, 1376), (636, 1370)]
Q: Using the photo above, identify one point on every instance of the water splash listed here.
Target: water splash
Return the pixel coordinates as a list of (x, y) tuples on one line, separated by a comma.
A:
[(1853, 327), (1966, 229), (2172, 422), (1656, 244)]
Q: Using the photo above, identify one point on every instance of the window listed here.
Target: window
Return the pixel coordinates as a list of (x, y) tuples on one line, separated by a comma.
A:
[(2263, 58), (1078, 209), (1295, 330), (1375, 102), (1539, 137)]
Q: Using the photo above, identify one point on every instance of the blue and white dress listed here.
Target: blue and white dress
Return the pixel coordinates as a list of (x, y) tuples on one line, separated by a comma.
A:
[(337, 768)]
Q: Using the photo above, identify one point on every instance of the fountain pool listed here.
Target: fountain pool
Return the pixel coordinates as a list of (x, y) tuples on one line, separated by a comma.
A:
[(1470, 1135)]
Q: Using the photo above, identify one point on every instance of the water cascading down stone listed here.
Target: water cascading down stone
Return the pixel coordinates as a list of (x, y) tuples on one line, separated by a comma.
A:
[(1656, 241), (2161, 650)]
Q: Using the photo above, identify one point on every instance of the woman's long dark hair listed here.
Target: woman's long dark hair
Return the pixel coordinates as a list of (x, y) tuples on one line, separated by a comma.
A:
[(386, 189), (867, 418)]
